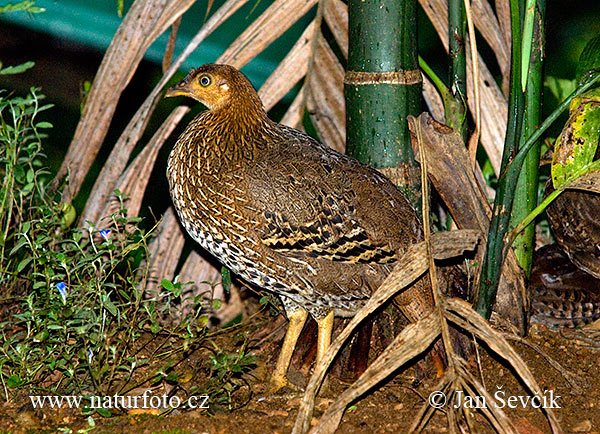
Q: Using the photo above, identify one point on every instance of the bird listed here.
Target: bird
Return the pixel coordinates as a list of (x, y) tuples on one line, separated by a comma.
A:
[(285, 212), (563, 295), (573, 218)]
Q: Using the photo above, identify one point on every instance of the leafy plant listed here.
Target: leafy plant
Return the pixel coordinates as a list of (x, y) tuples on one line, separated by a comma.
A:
[(75, 311)]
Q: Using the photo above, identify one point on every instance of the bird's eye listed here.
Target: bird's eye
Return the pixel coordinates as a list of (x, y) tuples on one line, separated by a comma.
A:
[(205, 80)]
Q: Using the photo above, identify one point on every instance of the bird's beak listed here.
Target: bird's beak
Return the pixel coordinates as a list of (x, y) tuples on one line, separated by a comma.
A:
[(181, 88)]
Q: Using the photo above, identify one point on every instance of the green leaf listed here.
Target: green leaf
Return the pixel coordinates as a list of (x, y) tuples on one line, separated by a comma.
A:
[(216, 304), (576, 146), (589, 60), (560, 87), (226, 279), (44, 125), (104, 412), (23, 263), (26, 6), (167, 284), (23, 241), (17, 69), (526, 42), (14, 381), (108, 305)]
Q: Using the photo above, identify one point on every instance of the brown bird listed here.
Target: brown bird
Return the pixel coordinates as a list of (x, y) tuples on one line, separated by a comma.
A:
[(285, 212), (573, 217), (563, 295)]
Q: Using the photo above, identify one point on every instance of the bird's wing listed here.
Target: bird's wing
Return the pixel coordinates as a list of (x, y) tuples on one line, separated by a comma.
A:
[(310, 209), (333, 234)]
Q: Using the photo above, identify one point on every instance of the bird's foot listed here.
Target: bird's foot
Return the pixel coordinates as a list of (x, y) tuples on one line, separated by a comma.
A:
[(278, 383)]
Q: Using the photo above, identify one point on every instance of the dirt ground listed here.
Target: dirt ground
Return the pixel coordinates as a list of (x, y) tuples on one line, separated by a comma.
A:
[(390, 409)]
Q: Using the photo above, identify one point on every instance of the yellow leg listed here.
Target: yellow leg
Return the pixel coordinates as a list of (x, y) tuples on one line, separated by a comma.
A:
[(324, 335), (296, 322)]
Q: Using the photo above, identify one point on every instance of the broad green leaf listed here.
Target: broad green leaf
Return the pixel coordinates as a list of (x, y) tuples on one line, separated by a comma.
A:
[(576, 146), (167, 284)]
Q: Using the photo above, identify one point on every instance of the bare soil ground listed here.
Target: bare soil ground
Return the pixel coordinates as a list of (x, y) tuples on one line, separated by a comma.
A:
[(390, 409)]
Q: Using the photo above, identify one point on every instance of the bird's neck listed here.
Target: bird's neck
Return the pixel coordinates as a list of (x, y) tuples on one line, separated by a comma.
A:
[(229, 135)]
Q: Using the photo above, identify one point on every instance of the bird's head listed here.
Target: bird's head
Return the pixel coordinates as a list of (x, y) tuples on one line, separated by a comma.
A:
[(216, 86)]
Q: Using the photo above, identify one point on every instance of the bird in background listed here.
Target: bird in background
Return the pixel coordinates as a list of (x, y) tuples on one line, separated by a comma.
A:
[(285, 212)]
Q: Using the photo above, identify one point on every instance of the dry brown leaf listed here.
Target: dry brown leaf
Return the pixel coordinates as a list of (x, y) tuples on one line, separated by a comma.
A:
[(134, 180), (411, 342), (433, 100), (289, 71), (411, 266), (494, 112), (588, 182), (168, 56), (452, 176), (271, 24), (144, 22), (325, 96), (461, 313), (120, 154), (487, 23), (503, 12), (293, 116), (335, 13), (164, 251)]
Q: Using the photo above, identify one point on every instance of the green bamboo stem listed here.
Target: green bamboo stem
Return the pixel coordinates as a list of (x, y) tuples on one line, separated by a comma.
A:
[(527, 185), (455, 108), (491, 269), (377, 107)]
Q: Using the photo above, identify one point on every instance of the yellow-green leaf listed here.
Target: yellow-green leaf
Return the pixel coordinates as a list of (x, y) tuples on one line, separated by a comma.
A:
[(576, 146)]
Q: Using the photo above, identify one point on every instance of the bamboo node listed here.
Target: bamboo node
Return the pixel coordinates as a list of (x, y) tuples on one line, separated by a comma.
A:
[(393, 77)]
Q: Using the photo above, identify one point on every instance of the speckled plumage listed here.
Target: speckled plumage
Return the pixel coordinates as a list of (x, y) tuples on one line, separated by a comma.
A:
[(279, 209), (563, 295)]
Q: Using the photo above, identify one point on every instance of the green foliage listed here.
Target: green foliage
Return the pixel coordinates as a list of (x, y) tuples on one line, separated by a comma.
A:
[(25, 6), (590, 58), (16, 69), (575, 149), (74, 303), (561, 88), (227, 376)]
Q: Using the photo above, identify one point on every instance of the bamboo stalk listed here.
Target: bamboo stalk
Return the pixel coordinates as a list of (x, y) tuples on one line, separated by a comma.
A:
[(456, 107), (382, 87), (527, 185), (494, 255)]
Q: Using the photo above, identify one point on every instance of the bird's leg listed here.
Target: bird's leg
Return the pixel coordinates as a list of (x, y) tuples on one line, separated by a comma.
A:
[(325, 328), (297, 318)]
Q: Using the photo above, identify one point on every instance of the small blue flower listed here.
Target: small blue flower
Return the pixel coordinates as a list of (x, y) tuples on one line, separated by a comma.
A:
[(62, 289), (90, 356), (104, 233)]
